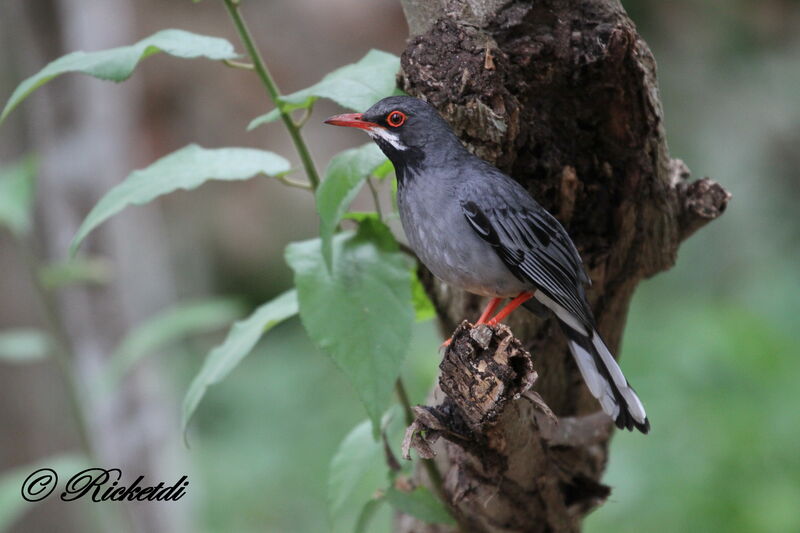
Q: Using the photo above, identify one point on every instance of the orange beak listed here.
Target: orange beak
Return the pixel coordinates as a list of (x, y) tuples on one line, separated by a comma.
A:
[(351, 120)]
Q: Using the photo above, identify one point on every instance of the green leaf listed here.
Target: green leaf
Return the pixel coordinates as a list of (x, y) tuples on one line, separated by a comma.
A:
[(356, 472), (356, 86), (24, 345), (384, 170), (16, 196), (423, 307), (420, 503), (240, 341), (360, 312), (181, 321), (344, 177), (188, 168), (360, 216), (275, 114), (117, 64), (359, 471), (78, 270), (367, 513), (12, 506)]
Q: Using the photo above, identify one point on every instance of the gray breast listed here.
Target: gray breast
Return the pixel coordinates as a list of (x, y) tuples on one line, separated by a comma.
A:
[(439, 233)]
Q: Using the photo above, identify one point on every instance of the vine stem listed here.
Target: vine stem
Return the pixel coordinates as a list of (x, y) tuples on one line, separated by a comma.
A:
[(273, 91)]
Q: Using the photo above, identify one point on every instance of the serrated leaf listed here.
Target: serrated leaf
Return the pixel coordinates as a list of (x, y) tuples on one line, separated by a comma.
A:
[(117, 64), (240, 341), (12, 505), (16, 196), (24, 345), (183, 320), (187, 169), (356, 86), (78, 270), (344, 177), (360, 311), (420, 503)]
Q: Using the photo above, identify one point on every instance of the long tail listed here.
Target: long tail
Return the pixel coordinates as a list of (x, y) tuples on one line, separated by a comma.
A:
[(605, 380)]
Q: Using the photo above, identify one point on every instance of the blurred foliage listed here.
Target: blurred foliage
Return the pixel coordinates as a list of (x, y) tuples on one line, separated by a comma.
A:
[(118, 64), (16, 196), (167, 328), (79, 270), (187, 169), (262, 442), (720, 377), (712, 344), (23, 345), (12, 506), (238, 344)]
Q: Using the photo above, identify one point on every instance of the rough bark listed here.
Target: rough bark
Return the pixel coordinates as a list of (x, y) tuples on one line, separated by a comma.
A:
[(563, 96)]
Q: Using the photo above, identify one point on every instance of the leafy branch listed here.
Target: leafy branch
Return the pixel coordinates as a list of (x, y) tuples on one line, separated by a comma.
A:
[(272, 89), (356, 292)]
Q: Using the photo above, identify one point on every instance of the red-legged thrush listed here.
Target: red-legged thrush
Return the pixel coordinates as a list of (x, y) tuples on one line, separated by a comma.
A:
[(479, 230)]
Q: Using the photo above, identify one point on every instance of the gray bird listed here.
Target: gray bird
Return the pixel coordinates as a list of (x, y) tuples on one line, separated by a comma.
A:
[(479, 230)]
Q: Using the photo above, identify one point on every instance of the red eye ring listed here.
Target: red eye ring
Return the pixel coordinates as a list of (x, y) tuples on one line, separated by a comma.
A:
[(396, 119)]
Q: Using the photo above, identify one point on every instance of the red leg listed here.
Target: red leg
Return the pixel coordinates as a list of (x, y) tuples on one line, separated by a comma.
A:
[(487, 312), (508, 309)]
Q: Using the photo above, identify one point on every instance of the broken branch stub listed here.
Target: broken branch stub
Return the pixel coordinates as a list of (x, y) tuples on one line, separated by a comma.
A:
[(486, 379)]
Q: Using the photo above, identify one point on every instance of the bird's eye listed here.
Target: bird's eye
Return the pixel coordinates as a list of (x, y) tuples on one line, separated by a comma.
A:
[(396, 118)]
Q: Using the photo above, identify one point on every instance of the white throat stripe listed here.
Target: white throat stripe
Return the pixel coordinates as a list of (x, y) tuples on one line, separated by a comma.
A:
[(387, 136)]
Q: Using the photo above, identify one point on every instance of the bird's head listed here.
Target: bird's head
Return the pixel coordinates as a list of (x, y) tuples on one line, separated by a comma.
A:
[(407, 129)]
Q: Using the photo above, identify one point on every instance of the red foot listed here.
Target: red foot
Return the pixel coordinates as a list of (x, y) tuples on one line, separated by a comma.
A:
[(499, 317), (508, 309), (490, 307), (487, 312)]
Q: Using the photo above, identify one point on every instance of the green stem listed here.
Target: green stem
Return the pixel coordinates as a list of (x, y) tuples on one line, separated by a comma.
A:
[(313, 177), (62, 352), (64, 358), (272, 90)]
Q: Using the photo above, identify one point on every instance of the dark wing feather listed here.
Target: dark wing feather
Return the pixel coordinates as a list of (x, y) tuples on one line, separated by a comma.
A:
[(535, 247)]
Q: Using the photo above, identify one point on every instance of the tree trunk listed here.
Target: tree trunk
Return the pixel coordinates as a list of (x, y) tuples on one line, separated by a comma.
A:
[(563, 96)]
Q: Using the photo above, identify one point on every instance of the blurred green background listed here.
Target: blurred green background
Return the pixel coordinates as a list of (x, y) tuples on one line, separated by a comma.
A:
[(712, 345)]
